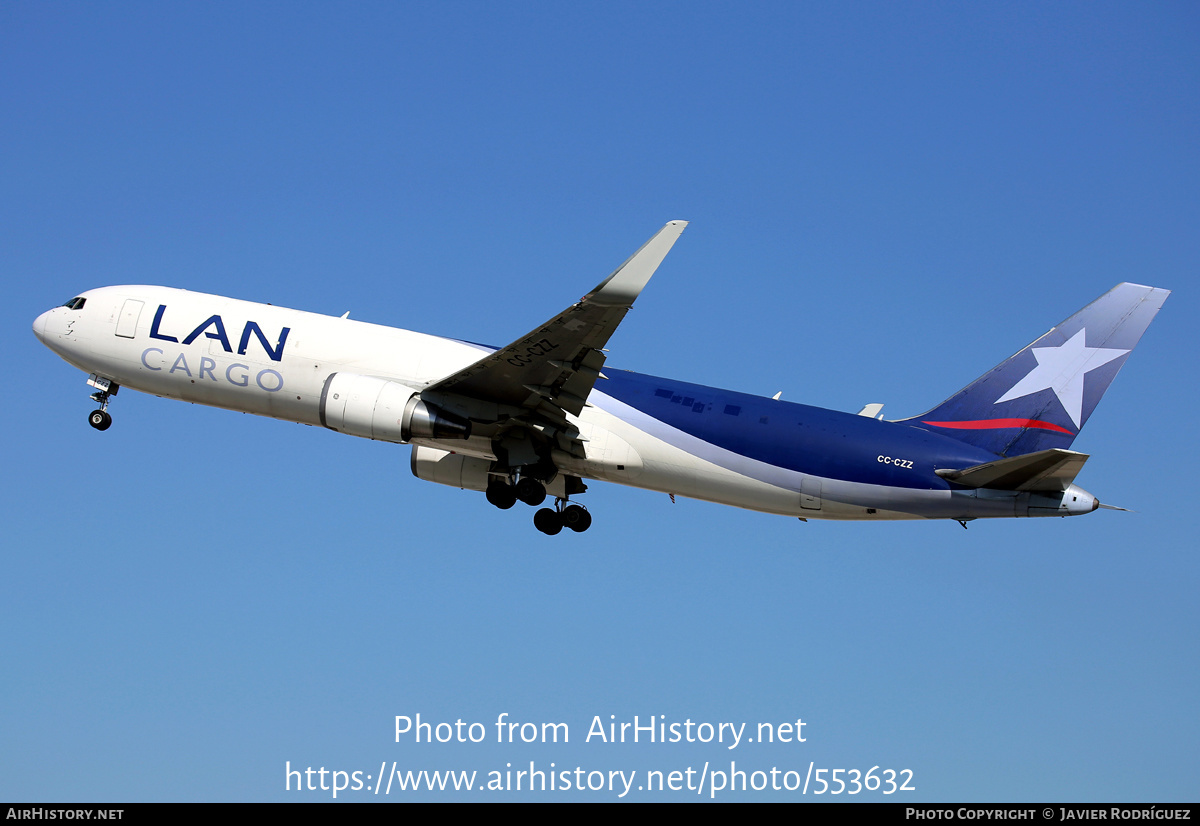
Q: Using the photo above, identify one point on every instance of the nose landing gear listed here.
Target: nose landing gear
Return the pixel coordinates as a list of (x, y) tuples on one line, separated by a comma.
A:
[(100, 419), (105, 388)]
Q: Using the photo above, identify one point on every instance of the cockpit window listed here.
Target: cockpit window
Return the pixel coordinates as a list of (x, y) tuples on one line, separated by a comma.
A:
[(75, 304)]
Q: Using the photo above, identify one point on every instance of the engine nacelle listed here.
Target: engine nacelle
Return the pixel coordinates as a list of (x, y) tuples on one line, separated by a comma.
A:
[(454, 469), (389, 411)]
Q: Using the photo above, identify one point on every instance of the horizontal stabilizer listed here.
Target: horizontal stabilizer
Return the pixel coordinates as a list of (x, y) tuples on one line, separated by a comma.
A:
[(1047, 470)]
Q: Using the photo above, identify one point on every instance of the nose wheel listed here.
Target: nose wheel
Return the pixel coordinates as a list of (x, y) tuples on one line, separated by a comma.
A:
[(100, 419), (105, 389)]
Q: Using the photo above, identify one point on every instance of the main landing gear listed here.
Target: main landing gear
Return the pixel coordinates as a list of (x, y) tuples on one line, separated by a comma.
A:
[(105, 389), (552, 520), (549, 521)]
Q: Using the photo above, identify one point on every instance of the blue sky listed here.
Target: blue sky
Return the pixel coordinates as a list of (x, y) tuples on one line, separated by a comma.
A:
[(885, 201)]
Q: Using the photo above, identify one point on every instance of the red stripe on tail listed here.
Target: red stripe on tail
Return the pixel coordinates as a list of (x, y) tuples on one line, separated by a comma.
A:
[(992, 424)]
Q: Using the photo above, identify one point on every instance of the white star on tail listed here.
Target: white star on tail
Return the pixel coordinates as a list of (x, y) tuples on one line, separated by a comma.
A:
[(1062, 369)]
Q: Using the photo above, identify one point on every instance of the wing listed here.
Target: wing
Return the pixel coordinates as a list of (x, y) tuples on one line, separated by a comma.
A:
[(552, 369)]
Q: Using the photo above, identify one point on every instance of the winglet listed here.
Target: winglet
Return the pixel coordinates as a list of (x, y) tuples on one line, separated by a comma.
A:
[(627, 281)]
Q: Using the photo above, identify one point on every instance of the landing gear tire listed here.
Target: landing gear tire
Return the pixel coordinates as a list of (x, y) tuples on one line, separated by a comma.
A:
[(576, 518), (501, 494), (548, 521), (531, 492), (100, 419)]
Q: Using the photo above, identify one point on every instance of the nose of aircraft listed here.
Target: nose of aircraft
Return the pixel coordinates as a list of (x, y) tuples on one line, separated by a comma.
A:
[(39, 326)]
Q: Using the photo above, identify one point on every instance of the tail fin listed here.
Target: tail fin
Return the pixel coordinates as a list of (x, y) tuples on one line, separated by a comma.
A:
[(1043, 395)]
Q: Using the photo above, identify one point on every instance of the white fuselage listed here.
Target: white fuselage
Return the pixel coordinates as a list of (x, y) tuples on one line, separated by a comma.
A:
[(273, 361)]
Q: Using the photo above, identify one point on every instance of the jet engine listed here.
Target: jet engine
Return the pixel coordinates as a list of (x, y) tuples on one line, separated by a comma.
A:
[(454, 469), (387, 411)]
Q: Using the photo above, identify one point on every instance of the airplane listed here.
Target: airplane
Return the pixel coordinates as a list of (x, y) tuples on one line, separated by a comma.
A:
[(538, 417)]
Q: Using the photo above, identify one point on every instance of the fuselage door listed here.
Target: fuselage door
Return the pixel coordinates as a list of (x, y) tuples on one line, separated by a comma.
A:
[(127, 321)]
